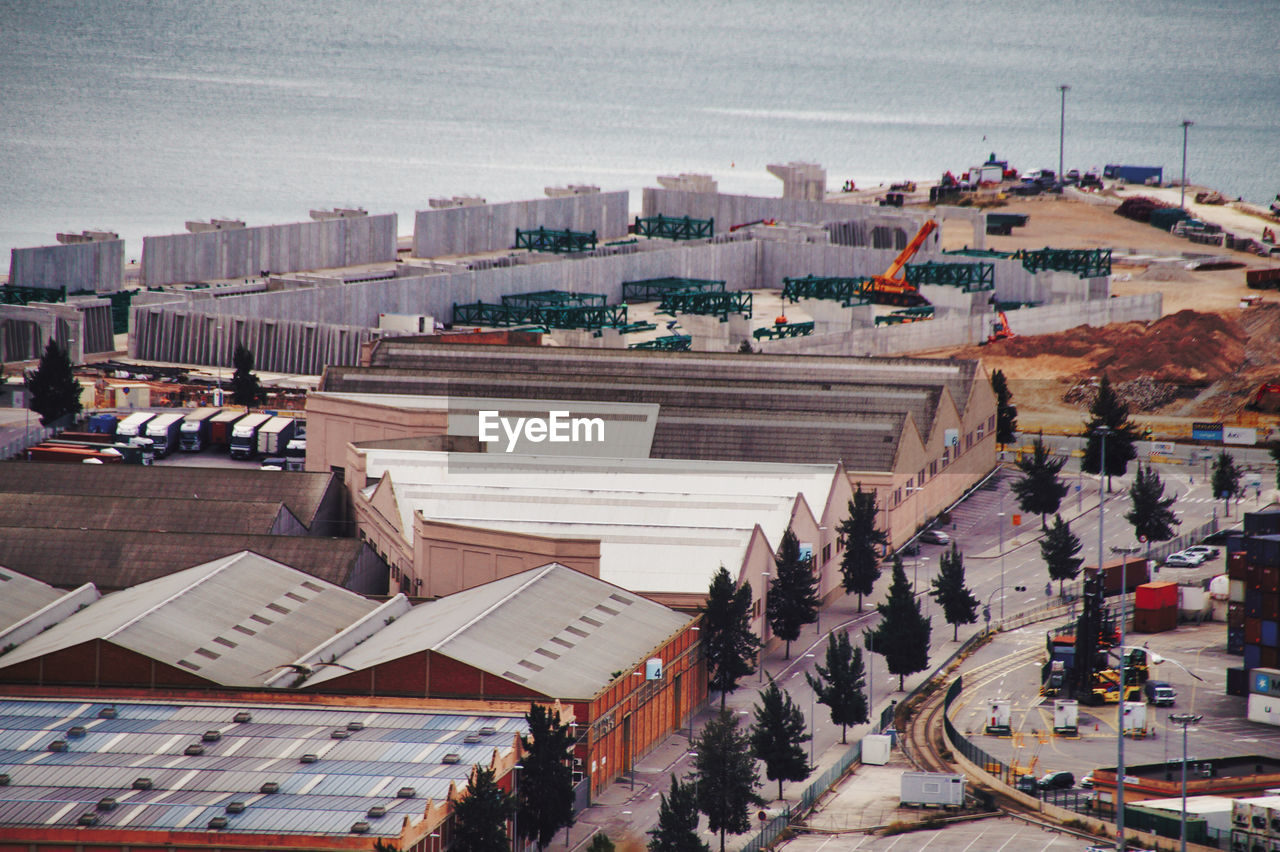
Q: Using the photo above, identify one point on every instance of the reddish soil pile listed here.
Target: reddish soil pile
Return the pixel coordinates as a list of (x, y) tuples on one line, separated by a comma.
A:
[(1186, 348)]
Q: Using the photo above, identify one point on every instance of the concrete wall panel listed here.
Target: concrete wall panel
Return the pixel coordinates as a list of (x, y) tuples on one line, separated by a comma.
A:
[(730, 210), (97, 266), (492, 227), (244, 252)]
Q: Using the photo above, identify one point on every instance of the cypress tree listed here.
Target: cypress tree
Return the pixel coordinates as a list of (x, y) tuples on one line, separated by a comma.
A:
[(860, 562), (1058, 548), (52, 388), (728, 645), (1006, 411), (778, 736), (902, 636), (480, 815), (545, 795), (1225, 479), (677, 829), (1039, 491), (246, 390), (726, 776), (793, 594), (959, 606), (839, 685), (1107, 410), (1150, 512)]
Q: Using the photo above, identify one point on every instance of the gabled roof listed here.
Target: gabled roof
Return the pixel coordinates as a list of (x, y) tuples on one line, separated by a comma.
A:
[(21, 595), (229, 621), (552, 629), (302, 492), (156, 513)]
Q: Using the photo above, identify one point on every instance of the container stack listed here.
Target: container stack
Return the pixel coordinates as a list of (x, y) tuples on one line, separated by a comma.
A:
[(1255, 823), (1155, 607), (1264, 696), (1262, 602), (1237, 575)]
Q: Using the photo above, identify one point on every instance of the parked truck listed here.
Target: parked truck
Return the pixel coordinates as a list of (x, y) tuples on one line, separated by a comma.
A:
[(274, 436), (134, 426), (75, 455), (1153, 175), (244, 435), (195, 429), (166, 430), (137, 451), (295, 454), (220, 426)]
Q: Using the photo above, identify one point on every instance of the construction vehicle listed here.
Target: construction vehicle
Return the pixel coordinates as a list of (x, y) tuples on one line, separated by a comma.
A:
[(892, 289), (1001, 330), (1267, 398)]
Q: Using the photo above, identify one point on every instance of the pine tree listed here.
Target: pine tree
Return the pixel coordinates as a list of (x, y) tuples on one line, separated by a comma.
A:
[(1150, 515), (902, 636), (860, 563), (1006, 411), (1058, 548), (839, 685), (246, 390), (600, 842), (959, 606), (545, 795), (726, 776), (52, 389), (677, 829), (1226, 479), (480, 815), (793, 594), (1107, 410), (1275, 457), (1039, 491), (778, 736), (728, 644)]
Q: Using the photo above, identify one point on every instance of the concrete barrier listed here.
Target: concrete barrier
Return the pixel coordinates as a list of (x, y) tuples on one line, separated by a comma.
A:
[(473, 229), (97, 266)]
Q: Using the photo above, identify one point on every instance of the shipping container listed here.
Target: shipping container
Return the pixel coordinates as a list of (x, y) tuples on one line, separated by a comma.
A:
[(244, 435), (1270, 605), (1263, 550), (165, 430), (876, 749), (1235, 591), (1235, 615), (1252, 656), (73, 454), (1156, 595), (134, 426), (1262, 523), (932, 788), (1270, 578), (195, 429), (1252, 630), (220, 427), (1153, 175), (1264, 709), (1066, 716), (1252, 603), (1269, 633), (275, 434), (1155, 620), (999, 714), (1237, 564), (1135, 574), (103, 423), (1135, 719), (1237, 682), (1235, 640), (1268, 656)]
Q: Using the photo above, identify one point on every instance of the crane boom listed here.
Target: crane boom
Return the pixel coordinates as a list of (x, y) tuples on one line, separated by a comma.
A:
[(895, 269)]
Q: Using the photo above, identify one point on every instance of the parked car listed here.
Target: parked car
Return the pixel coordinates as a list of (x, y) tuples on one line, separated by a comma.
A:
[(935, 537), (1027, 784), (1061, 780), (1087, 781), (1182, 560), (1203, 550)]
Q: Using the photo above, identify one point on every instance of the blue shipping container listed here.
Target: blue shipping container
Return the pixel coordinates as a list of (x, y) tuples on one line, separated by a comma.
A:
[(1134, 174), (1270, 630), (1252, 656)]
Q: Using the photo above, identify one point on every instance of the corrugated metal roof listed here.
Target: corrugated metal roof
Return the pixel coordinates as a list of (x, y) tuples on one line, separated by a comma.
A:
[(326, 797), (230, 621), (21, 595), (155, 513), (561, 633)]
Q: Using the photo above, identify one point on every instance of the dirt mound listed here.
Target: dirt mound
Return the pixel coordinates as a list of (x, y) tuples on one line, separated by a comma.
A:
[(1186, 348)]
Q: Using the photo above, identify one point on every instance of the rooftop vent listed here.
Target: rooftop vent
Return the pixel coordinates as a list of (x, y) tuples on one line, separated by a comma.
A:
[(472, 739), (107, 804), (377, 811), (242, 717), (235, 807), (451, 757), (4, 779), (487, 730), (142, 783), (211, 736), (75, 731), (107, 713), (355, 726), (194, 749), (218, 822), (406, 793), (339, 733), (270, 787), (360, 828), (58, 745), (88, 819), (309, 758)]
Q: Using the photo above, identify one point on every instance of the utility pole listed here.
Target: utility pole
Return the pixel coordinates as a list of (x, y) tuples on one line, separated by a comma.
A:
[(1185, 720), (1062, 129), (1182, 202)]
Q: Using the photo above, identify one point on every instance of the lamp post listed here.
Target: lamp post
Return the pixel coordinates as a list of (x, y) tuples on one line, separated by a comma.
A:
[(813, 719), (1185, 720), (764, 618), (1124, 555), (1000, 515), (515, 814), (1062, 129), (1182, 202), (871, 675)]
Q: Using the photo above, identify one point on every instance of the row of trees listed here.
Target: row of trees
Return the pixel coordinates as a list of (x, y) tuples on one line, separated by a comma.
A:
[(54, 393)]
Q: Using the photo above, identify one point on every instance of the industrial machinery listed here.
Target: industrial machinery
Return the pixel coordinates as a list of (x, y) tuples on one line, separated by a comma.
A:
[(891, 288), (1267, 397), (1001, 330)]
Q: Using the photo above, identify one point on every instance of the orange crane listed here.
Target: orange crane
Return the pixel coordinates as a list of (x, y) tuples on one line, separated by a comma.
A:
[(889, 288), (1001, 330)]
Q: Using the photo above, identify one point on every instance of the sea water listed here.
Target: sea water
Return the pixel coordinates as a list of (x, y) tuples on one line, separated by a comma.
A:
[(137, 116)]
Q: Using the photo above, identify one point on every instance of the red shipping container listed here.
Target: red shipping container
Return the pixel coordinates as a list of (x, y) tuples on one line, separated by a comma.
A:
[(1269, 657), (1159, 595), (1253, 577), (1155, 620), (1270, 579), (1271, 605), (1237, 565), (1235, 615), (1252, 631)]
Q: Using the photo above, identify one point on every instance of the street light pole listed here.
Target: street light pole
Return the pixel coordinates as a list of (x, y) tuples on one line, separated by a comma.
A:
[(1001, 516), (515, 814), (1185, 720), (1183, 197), (764, 618), (1124, 590), (1062, 129), (813, 718)]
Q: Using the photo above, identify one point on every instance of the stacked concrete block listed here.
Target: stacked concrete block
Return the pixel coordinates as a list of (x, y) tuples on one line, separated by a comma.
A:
[(571, 189), (477, 229), (199, 226), (689, 182), (339, 213), (224, 251), (801, 181), (83, 262), (456, 201)]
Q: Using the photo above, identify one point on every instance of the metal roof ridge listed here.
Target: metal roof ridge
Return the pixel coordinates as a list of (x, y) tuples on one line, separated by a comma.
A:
[(538, 575), (228, 561)]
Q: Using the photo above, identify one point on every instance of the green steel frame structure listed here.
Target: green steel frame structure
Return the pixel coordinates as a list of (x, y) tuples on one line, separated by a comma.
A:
[(675, 228), (13, 295), (846, 291), (655, 289), (558, 242), (709, 303), (670, 343), (780, 330), (552, 316), (971, 277)]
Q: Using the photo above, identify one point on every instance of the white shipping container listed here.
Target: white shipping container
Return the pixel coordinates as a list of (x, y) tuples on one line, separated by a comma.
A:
[(1135, 717), (876, 748), (1264, 709), (1066, 713), (1000, 712), (1235, 592), (932, 788)]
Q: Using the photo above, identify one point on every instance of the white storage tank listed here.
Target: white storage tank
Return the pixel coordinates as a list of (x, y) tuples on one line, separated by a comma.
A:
[(1066, 716), (876, 748)]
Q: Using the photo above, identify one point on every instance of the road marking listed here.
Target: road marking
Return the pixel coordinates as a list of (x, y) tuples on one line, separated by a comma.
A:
[(971, 842)]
